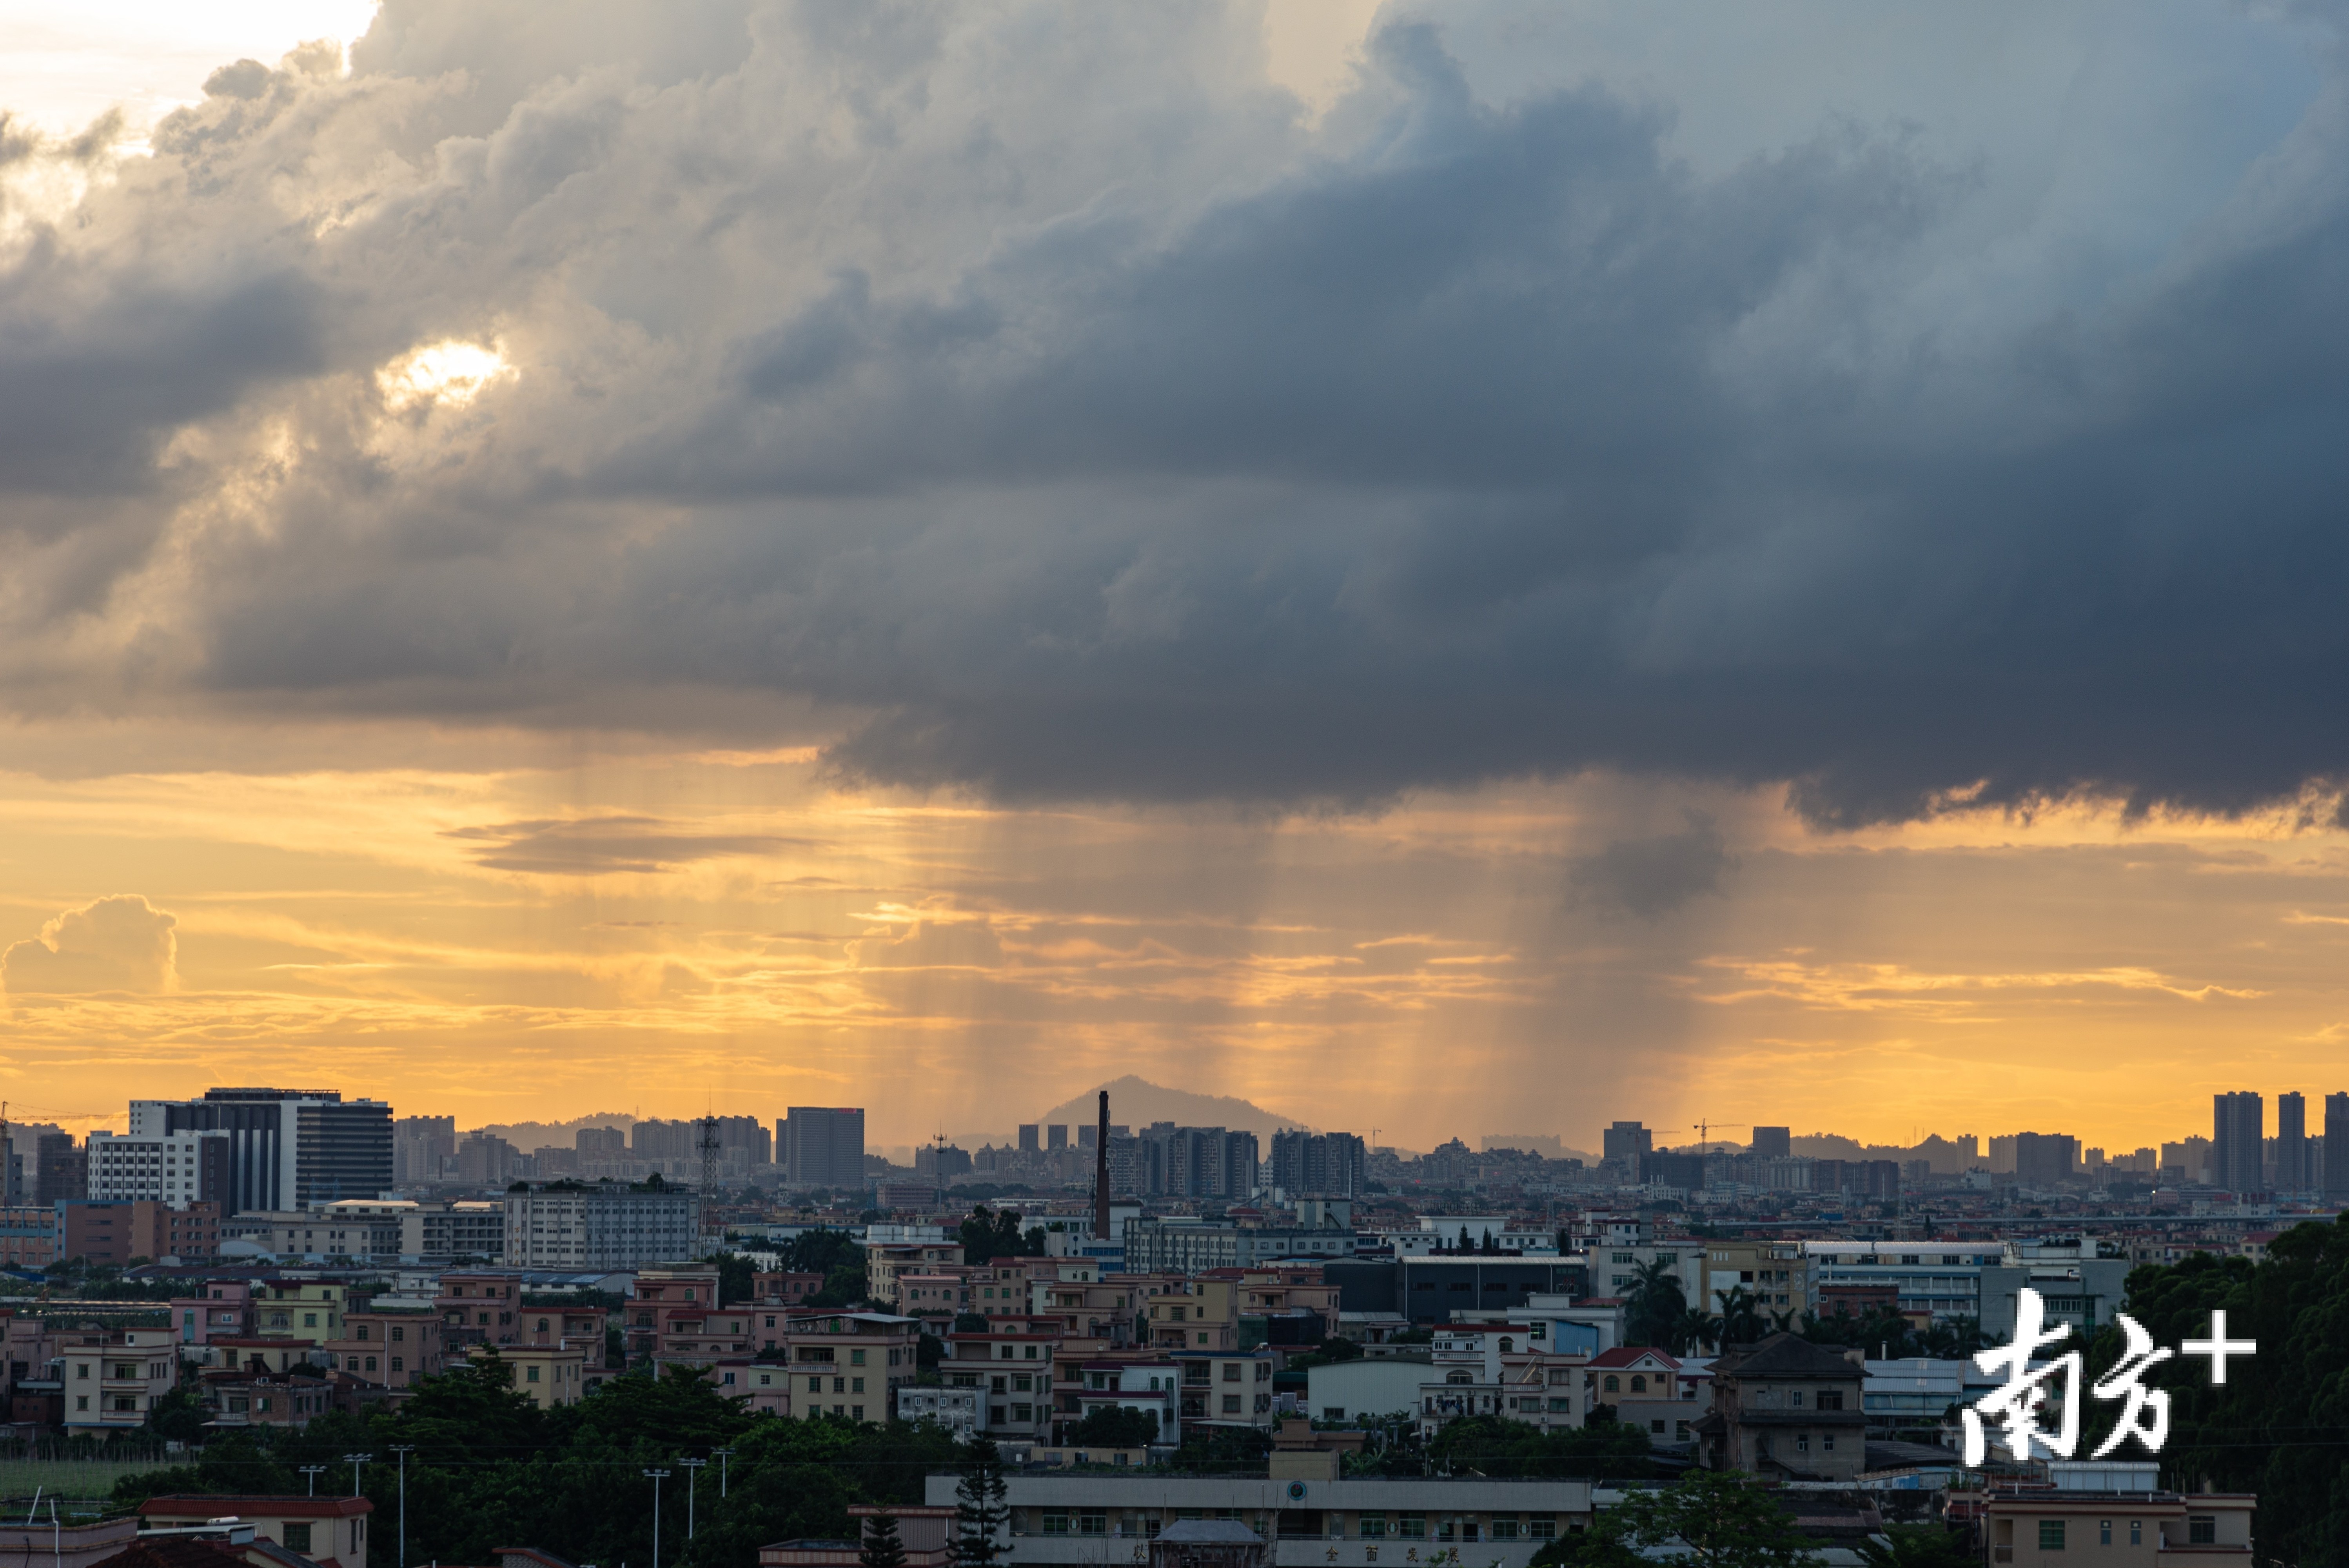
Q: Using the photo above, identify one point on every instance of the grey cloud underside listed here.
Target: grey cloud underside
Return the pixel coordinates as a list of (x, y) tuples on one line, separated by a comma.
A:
[(597, 846), (1083, 424)]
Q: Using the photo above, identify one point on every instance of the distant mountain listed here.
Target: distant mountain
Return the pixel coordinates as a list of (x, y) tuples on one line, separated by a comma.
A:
[(1136, 1103)]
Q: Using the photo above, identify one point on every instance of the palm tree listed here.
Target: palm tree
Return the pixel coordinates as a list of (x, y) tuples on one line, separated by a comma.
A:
[(1656, 1304), (1697, 1329), (1741, 1316)]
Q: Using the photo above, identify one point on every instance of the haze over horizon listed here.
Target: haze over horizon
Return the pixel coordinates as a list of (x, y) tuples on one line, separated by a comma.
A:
[(1489, 567)]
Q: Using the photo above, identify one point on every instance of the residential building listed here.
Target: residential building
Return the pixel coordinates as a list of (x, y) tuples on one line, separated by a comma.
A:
[(310, 1310), (784, 1289), (1432, 1290), (1774, 1275), (1203, 1314), (322, 1528), (249, 1398), (1073, 1517), (819, 1146), (940, 1291), (421, 1147), (548, 1375), (1624, 1143), (884, 1264), (567, 1226), (2238, 1141), (62, 1545), (2065, 1525), (1015, 1370), (691, 1327), (1772, 1144), (955, 1410), (1787, 1409), (1368, 1389), (289, 1149), (183, 1234), (113, 1379), (2044, 1158), (1661, 1395), (927, 1536), (478, 1306), (223, 1309), (852, 1364), (387, 1349), (1328, 1165)]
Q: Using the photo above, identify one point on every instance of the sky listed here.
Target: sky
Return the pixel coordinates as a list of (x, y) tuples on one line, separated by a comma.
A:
[(1446, 570)]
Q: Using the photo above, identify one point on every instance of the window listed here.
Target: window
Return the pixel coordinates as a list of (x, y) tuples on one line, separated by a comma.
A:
[(2137, 1532), (856, 1385), (1056, 1522), (1092, 1524), (1231, 1404), (398, 1335), (530, 1373), (856, 1358), (1231, 1371), (541, 1325), (1411, 1526), (2051, 1535), (1505, 1527), (2201, 1529), (2104, 1532), (1374, 1526), (371, 1363), (1802, 1442), (815, 1385), (1795, 1398), (1542, 1526), (1613, 1384), (1827, 1442), (297, 1536)]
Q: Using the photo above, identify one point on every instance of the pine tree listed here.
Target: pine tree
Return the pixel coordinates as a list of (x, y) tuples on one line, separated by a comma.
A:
[(979, 1509), (882, 1548)]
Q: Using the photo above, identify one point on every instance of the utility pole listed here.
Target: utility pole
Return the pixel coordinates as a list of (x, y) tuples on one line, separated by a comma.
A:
[(692, 1474), (314, 1472), (658, 1476), (723, 1455), (403, 1451), (354, 1460)]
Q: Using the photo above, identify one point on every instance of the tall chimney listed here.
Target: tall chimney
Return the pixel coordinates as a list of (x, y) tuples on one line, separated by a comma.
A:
[(1101, 1176)]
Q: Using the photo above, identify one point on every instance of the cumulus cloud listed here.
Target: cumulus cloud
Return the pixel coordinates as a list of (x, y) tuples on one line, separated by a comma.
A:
[(1045, 397), (117, 944)]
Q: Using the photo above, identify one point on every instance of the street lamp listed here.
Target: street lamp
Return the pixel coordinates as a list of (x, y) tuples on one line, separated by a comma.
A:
[(692, 1474), (723, 1455), (354, 1460), (657, 1477), (314, 1472), (403, 1451)]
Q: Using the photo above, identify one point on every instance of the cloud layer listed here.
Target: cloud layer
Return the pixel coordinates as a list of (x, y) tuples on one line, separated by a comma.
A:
[(117, 943), (1035, 397)]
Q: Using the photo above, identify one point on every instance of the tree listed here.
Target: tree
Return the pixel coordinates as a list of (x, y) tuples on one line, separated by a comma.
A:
[(1741, 1319), (980, 1512), (1917, 1546), (881, 1547), (737, 1276), (1656, 1305), (995, 1233), (1723, 1519), (1115, 1426), (1696, 1330)]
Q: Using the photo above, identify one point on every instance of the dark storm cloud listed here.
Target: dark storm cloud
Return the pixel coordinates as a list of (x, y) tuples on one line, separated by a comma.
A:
[(1037, 389), (1649, 878)]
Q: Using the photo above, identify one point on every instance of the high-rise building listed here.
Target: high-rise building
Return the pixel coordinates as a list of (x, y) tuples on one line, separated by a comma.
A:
[(2044, 1158), (2238, 1131), (485, 1159), (1774, 1143), (2292, 1173), (603, 1227), (1056, 1136), (62, 1170), (2336, 1145), (177, 1168), (418, 1146), (1028, 1144), (822, 1146), (601, 1143), (288, 1148), (1319, 1165), (1625, 1141)]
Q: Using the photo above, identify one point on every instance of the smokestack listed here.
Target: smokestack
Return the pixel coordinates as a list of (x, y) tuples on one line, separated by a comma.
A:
[(1101, 1175)]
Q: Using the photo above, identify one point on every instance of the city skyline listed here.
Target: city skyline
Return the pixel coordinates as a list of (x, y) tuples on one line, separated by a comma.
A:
[(750, 563)]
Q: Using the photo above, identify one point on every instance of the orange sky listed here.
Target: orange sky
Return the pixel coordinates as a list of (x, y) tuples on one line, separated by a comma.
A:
[(511, 928)]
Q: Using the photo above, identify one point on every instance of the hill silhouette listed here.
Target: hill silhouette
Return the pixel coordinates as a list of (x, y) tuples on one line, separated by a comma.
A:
[(1137, 1102)]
